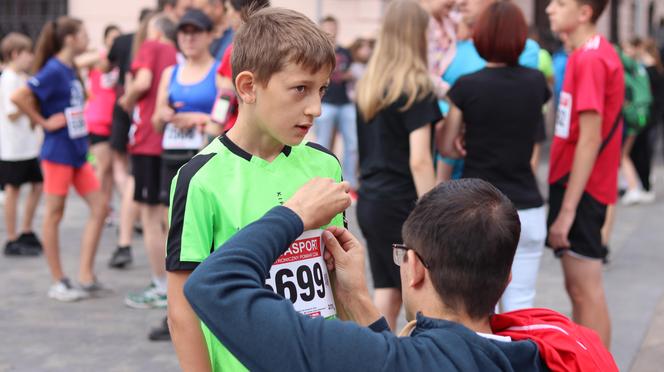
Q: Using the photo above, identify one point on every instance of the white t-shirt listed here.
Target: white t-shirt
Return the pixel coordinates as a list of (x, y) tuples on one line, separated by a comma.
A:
[(18, 141)]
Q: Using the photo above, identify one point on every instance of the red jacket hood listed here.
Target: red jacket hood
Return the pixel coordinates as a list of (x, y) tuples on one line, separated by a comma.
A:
[(563, 344)]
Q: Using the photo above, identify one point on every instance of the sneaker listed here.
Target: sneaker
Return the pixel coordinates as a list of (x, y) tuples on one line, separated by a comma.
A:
[(65, 292), (160, 333), (149, 298), (121, 258), (647, 197), (30, 239), (631, 197), (16, 248), (95, 289)]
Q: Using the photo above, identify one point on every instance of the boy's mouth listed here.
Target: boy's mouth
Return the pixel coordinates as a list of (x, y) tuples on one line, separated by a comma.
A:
[(303, 127)]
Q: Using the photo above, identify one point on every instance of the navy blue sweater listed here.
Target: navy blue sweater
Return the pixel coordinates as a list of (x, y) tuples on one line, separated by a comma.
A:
[(266, 334)]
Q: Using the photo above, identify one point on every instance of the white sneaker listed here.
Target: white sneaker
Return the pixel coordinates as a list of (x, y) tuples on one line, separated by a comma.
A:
[(65, 292), (647, 197), (631, 197)]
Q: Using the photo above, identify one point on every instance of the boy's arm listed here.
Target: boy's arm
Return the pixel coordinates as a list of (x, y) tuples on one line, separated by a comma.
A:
[(587, 148), (185, 327), (189, 240)]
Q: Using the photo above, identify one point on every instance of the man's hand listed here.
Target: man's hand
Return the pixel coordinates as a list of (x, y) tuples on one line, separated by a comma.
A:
[(318, 201), (559, 231), (188, 120), (344, 257), (55, 122)]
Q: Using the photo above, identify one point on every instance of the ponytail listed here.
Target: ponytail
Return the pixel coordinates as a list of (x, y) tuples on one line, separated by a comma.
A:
[(51, 39)]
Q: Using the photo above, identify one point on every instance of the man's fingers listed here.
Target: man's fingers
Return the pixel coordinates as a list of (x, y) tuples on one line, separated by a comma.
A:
[(343, 236), (332, 245), (345, 185)]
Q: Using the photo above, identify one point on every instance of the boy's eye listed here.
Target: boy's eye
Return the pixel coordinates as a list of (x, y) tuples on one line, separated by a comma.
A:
[(300, 88)]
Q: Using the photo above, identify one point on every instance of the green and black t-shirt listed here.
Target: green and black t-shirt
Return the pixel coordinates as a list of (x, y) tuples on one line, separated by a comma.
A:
[(223, 189)]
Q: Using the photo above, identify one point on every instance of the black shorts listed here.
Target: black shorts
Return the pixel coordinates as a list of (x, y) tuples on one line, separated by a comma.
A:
[(585, 236), (96, 138), (16, 173), (171, 162), (120, 129), (146, 170), (381, 222)]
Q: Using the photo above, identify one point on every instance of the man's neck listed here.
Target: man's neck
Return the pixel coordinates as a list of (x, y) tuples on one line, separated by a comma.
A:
[(250, 138), (581, 35), (481, 326)]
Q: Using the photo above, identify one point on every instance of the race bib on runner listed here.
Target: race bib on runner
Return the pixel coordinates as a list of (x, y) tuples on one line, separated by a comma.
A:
[(76, 122), (179, 139), (220, 109), (300, 275), (564, 116)]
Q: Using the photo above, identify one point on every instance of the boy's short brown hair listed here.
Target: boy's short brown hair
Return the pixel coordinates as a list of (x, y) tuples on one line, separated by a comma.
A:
[(597, 6), (273, 37), (14, 42)]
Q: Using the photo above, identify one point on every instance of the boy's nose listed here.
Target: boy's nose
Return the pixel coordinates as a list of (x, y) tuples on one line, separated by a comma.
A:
[(313, 108)]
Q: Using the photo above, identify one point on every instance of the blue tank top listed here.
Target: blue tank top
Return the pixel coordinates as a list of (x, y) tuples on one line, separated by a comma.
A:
[(197, 97)]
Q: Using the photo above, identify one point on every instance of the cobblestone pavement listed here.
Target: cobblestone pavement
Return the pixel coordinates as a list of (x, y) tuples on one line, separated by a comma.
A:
[(39, 334)]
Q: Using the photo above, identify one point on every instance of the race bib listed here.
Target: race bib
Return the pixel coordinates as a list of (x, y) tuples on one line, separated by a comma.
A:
[(76, 122), (564, 116), (179, 139), (300, 275), (220, 110)]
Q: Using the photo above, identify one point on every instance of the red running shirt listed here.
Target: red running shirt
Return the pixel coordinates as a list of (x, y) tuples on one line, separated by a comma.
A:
[(594, 81), (99, 107), (156, 57)]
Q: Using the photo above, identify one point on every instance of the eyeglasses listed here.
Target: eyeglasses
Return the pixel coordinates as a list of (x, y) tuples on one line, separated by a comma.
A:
[(399, 252)]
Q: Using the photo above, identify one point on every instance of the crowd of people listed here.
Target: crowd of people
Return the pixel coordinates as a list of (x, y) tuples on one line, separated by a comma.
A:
[(199, 123)]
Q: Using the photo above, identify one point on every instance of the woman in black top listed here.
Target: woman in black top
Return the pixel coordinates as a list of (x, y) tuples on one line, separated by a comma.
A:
[(501, 106), (396, 114)]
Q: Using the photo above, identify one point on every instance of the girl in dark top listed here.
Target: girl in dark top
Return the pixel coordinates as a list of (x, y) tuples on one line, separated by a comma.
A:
[(502, 108), (644, 144), (396, 114)]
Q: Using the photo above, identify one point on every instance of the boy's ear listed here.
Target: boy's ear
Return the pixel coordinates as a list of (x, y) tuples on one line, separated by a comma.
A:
[(245, 85)]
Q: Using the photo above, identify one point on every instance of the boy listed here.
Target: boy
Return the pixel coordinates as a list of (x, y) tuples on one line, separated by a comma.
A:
[(19, 148), (585, 156), (281, 66), (153, 57)]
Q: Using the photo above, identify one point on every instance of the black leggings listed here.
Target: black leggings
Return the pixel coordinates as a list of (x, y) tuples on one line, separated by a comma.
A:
[(643, 150)]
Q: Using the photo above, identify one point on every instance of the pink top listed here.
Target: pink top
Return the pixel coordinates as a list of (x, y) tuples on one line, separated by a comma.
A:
[(99, 107)]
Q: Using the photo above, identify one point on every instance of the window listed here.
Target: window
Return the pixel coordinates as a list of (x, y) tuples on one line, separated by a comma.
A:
[(28, 16)]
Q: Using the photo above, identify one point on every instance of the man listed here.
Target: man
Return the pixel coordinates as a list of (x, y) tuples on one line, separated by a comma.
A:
[(585, 155), (223, 32), (452, 278)]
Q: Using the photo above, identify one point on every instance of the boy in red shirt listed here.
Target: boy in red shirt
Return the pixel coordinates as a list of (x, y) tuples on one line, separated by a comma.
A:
[(154, 56), (585, 156)]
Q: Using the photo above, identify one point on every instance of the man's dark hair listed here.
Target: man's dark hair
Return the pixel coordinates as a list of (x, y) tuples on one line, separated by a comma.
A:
[(597, 6), (467, 232)]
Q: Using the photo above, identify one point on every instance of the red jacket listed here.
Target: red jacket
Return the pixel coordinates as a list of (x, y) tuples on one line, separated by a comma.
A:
[(563, 344)]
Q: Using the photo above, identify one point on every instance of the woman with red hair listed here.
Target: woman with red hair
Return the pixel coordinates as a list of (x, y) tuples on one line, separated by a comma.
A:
[(501, 106)]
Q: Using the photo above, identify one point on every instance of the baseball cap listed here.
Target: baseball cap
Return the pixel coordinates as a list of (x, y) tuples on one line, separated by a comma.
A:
[(196, 18)]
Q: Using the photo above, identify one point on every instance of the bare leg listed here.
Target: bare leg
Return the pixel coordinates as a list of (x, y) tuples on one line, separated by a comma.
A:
[(629, 171), (154, 236), (128, 214), (11, 202), (91, 235), (55, 207), (120, 169), (584, 284), (607, 228), (102, 152), (388, 302), (31, 205)]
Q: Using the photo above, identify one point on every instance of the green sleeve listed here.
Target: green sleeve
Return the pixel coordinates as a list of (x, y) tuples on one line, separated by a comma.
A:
[(190, 237)]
